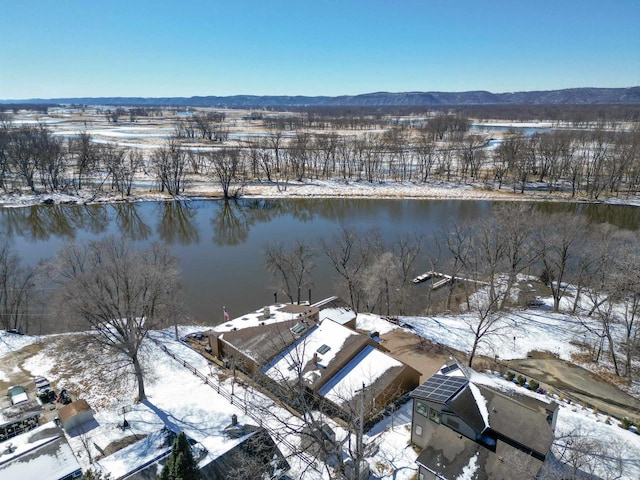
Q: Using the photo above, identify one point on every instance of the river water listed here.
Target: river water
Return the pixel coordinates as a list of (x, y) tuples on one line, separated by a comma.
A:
[(220, 245)]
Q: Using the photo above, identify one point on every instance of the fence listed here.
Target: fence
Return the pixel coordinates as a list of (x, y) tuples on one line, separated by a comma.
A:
[(249, 408)]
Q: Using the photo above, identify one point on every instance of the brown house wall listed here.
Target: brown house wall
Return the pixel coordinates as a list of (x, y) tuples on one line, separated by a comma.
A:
[(408, 379)]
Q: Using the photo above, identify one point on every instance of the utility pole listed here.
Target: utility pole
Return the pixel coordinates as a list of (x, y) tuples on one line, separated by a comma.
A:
[(359, 438)]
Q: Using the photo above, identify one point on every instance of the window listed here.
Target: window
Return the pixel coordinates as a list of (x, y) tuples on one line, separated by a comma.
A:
[(422, 408), (323, 349), (434, 415), (419, 430), (453, 423)]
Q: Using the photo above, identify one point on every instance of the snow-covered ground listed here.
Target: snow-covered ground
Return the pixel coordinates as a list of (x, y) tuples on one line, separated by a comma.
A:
[(148, 134), (182, 401), (317, 188), (517, 333)]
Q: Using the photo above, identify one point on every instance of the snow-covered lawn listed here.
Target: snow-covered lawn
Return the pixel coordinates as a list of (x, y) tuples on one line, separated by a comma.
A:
[(518, 333), (182, 401)]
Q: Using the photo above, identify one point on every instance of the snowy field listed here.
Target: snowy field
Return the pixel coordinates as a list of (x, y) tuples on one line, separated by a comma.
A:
[(148, 134)]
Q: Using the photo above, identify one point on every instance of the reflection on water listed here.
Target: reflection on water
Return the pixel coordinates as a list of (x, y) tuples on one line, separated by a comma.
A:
[(219, 245), (232, 222), (130, 223), (177, 224), (619, 215)]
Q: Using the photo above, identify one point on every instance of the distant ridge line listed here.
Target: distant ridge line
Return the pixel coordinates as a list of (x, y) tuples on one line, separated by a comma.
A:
[(569, 96)]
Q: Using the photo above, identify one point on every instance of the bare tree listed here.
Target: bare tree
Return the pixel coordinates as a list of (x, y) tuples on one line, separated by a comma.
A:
[(51, 160), (170, 165), (350, 253), (86, 155), (23, 153), (225, 164), (16, 290), (585, 455), (5, 142), (122, 165), (514, 226), (292, 266), (341, 444), (558, 240), (119, 293)]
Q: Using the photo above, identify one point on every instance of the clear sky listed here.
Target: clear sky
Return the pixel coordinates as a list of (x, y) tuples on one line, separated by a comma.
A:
[(153, 48)]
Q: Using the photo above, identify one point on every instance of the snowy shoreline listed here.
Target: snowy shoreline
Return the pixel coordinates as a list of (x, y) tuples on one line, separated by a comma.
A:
[(317, 189)]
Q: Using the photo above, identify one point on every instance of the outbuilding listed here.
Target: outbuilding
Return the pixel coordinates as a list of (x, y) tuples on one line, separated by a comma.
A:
[(75, 414)]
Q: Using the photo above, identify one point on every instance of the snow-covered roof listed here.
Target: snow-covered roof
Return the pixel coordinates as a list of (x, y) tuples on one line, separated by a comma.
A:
[(341, 315), (153, 447), (481, 403), (369, 365), (371, 322), (20, 411), (268, 315), (324, 340), (42, 453)]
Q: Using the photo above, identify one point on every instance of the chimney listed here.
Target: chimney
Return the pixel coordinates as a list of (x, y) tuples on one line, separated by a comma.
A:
[(234, 420)]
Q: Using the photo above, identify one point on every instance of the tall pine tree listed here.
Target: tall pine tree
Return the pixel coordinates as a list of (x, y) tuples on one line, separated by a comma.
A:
[(180, 465)]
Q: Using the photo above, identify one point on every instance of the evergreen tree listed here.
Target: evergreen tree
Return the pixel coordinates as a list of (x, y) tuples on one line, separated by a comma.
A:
[(93, 475), (180, 465)]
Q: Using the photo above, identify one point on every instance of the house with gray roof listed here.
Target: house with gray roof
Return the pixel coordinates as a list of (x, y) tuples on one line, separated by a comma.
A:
[(462, 426), (288, 344), (19, 418), (42, 453), (240, 448)]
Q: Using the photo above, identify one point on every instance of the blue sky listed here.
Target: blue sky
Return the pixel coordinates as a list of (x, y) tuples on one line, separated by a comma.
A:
[(151, 48)]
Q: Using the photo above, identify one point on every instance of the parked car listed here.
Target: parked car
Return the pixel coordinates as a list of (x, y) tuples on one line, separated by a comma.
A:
[(47, 396), (17, 394), (42, 384)]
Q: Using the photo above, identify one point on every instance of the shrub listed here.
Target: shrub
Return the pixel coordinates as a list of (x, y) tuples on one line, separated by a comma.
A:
[(625, 423), (533, 385), (547, 276), (521, 380), (510, 376)]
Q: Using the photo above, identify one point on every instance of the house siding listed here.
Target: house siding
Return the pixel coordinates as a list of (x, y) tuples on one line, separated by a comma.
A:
[(419, 420), (425, 474), (461, 427)]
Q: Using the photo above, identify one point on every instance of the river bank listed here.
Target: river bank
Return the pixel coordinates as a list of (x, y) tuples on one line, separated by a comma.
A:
[(314, 189)]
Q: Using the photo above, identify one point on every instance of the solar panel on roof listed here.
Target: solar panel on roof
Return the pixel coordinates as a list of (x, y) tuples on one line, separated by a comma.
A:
[(440, 388), (449, 368)]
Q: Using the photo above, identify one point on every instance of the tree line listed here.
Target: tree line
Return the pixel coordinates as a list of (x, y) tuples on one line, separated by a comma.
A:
[(587, 268), (583, 163)]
